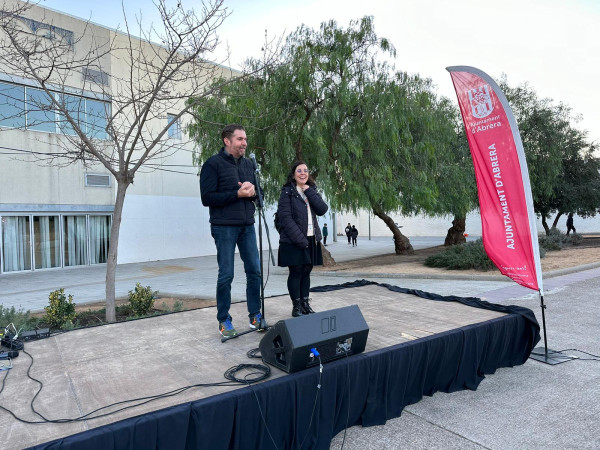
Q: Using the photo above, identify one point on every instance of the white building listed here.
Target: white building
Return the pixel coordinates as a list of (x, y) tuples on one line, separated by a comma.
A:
[(55, 217)]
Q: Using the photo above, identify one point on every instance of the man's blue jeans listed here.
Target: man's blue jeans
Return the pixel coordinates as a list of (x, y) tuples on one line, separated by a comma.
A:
[(226, 238)]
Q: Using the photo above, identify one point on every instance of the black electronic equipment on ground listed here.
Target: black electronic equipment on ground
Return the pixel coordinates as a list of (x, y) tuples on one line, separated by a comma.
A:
[(335, 333)]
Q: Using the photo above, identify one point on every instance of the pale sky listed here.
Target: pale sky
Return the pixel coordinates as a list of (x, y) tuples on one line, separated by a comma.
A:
[(552, 44)]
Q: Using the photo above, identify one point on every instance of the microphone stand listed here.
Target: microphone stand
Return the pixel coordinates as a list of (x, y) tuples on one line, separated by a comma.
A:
[(260, 207)]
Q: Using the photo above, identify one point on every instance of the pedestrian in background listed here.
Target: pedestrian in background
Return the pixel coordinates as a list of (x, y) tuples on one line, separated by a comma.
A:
[(354, 235), (570, 224), (325, 234), (347, 230)]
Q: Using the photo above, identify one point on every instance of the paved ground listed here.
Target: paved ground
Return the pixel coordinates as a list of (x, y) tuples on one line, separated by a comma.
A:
[(533, 406), (190, 277)]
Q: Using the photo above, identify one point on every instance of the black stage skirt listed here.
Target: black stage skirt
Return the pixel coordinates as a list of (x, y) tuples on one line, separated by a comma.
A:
[(291, 255)]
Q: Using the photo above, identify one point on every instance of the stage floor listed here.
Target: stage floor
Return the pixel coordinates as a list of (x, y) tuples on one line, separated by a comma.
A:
[(84, 370)]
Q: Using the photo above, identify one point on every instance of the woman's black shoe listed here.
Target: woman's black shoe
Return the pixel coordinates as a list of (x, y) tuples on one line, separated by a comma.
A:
[(305, 306)]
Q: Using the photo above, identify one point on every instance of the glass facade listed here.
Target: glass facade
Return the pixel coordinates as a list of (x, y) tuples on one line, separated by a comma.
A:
[(99, 236), (174, 131), (35, 242), (46, 245), (40, 111), (75, 240), (34, 109), (16, 243), (12, 106)]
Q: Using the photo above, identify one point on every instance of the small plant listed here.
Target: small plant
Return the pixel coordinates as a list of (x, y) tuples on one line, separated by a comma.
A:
[(576, 238), (177, 306), (460, 257), (141, 300), (61, 311), (19, 318), (556, 240)]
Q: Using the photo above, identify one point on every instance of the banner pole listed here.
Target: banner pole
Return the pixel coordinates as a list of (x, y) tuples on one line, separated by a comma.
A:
[(543, 307)]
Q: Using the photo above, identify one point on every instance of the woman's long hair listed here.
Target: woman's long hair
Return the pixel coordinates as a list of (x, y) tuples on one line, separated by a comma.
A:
[(292, 172)]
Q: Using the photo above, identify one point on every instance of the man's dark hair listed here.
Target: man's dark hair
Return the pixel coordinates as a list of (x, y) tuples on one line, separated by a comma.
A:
[(229, 130), (292, 172)]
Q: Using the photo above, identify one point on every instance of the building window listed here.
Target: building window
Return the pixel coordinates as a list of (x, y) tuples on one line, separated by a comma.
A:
[(40, 111), (175, 128), (12, 106), (76, 108), (27, 107), (16, 243), (99, 236), (75, 240), (96, 113), (46, 241), (84, 241)]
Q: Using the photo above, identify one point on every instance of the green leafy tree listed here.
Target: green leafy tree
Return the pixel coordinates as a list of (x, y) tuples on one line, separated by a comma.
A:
[(403, 141), (369, 134), (578, 187), (562, 167), (455, 174)]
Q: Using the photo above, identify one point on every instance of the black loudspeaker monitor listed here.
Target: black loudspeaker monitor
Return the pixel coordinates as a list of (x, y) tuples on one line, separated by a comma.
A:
[(334, 334)]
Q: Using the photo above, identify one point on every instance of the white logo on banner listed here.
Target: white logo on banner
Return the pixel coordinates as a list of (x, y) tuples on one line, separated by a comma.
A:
[(481, 102)]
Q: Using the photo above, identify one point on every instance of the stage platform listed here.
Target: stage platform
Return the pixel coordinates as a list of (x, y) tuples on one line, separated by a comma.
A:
[(418, 344)]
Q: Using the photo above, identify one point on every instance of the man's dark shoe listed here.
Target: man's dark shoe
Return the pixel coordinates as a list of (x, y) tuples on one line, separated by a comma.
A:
[(258, 321), (226, 328)]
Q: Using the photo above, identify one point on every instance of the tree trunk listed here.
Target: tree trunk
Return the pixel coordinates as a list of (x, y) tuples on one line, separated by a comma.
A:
[(402, 245), (328, 260), (545, 225), (113, 244), (555, 223), (456, 233)]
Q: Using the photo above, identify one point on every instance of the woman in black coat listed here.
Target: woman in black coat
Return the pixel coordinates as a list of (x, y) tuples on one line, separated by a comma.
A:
[(300, 235)]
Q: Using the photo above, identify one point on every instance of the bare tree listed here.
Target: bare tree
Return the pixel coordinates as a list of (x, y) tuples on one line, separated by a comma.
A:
[(135, 80)]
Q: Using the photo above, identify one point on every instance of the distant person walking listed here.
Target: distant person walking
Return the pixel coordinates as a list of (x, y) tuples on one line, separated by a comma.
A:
[(325, 234), (570, 224), (354, 235), (347, 230)]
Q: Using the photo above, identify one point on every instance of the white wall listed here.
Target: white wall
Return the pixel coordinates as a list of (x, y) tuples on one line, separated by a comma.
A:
[(427, 226)]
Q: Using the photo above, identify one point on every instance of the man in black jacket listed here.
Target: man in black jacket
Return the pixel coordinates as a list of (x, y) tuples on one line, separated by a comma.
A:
[(226, 187)]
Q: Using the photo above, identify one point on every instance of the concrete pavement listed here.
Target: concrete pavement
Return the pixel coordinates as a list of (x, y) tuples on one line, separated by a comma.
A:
[(194, 277), (533, 406)]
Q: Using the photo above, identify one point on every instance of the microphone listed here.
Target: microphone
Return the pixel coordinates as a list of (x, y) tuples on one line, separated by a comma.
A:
[(10, 354), (253, 158)]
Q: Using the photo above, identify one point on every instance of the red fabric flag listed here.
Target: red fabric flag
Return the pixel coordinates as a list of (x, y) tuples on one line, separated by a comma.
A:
[(505, 201)]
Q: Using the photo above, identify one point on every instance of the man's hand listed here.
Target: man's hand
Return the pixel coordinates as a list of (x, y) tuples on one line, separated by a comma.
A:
[(246, 189)]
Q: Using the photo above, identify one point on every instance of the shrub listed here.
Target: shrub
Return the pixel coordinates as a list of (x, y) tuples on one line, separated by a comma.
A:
[(141, 300), (556, 240), (19, 318), (463, 256), (575, 238), (177, 306), (61, 311)]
